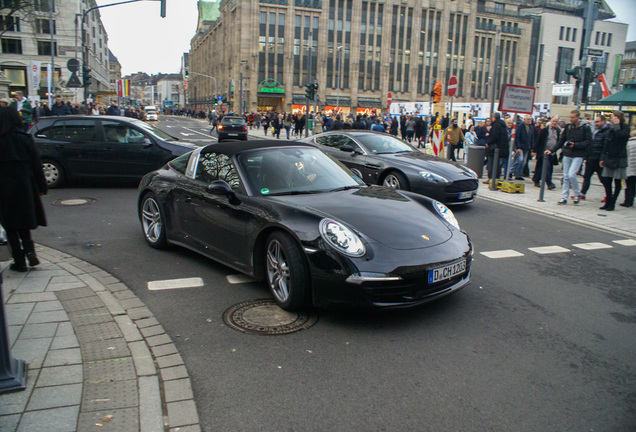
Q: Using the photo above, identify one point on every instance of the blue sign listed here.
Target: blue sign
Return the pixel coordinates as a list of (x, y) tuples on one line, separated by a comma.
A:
[(219, 98)]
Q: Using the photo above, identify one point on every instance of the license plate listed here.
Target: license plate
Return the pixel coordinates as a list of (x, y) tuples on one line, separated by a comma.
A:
[(439, 274), (232, 134), (465, 195)]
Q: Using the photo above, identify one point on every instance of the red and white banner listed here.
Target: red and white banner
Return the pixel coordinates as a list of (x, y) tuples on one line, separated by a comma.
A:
[(602, 79), (123, 87)]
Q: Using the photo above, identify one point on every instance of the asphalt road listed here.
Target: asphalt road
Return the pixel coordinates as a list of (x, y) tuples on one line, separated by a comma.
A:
[(537, 342)]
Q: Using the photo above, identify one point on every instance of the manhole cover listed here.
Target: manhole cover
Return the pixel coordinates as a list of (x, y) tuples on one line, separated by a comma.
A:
[(74, 201), (265, 317)]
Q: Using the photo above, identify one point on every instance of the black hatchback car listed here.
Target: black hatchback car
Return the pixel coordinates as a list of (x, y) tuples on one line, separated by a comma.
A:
[(233, 128), (82, 147), (382, 159)]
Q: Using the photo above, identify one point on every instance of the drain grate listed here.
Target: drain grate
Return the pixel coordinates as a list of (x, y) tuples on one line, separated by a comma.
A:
[(265, 317), (68, 202)]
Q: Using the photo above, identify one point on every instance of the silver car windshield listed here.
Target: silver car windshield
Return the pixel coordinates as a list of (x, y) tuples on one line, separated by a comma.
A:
[(384, 143), (295, 170)]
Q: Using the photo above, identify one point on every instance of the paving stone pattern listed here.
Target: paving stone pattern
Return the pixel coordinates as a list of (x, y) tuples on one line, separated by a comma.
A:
[(97, 358)]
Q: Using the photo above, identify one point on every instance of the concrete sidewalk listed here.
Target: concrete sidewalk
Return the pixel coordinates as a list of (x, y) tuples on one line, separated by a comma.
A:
[(97, 358), (621, 221)]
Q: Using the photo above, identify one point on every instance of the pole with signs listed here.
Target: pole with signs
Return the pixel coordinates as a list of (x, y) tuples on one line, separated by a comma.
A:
[(452, 89)]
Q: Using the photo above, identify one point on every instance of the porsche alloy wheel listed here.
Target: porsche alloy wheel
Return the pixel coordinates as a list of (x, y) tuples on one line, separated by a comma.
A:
[(152, 222), (286, 272)]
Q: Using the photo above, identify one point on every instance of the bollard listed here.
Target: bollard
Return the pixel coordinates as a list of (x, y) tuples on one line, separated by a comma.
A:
[(544, 174), (494, 170), (12, 372)]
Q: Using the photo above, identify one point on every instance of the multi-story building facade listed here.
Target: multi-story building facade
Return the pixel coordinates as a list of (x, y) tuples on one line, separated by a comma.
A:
[(627, 70), (557, 41), (361, 50), (37, 34)]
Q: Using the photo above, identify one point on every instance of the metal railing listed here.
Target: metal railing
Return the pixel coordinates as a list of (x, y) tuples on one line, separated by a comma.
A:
[(316, 4), (497, 11), (511, 30), (486, 26)]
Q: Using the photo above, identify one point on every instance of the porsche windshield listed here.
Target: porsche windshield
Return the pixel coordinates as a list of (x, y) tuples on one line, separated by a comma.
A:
[(295, 170), (383, 143)]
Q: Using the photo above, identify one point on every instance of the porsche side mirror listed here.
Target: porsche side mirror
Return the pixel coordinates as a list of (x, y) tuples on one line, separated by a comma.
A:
[(221, 187)]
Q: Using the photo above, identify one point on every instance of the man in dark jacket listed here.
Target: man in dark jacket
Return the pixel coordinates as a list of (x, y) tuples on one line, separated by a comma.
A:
[(497, 138), (60, 108), (575, 139), (524, 142), (337, 124), (548, 138), (599, 138), (359, 123)]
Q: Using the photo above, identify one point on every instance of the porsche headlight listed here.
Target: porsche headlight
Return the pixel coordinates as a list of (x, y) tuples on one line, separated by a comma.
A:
[(446, 213), (341, 238), (432, 177)]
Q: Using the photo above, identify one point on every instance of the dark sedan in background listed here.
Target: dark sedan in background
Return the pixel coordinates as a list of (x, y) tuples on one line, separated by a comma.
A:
[(382, 159), (232, 127), (83, 147), (291, 215)]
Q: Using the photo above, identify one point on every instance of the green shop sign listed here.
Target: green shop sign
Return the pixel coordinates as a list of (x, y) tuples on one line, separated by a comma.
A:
[(271, 86)]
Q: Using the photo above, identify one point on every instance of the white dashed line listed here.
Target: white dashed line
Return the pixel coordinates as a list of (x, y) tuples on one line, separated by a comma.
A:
[(592, 246), (509, 253), (625, 242), (549, 250), (175, 284), (239, 279)]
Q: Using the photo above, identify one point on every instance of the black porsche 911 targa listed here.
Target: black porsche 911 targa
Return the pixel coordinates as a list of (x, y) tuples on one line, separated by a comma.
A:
[(299, 219)]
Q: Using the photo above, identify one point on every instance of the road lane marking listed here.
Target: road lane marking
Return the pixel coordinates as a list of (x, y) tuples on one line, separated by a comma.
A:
[(175, 284), (239, 279), (549, 250), (592, 246), (508, 253), (197, 132), (626, 242)]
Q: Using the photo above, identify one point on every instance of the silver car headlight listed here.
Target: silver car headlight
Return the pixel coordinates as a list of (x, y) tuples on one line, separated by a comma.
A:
[(341, 238), (446, 213), (432, 177)]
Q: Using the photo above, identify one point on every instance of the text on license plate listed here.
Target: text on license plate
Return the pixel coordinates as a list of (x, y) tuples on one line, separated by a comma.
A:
[(464, 195), (232, 134), (446, 272)]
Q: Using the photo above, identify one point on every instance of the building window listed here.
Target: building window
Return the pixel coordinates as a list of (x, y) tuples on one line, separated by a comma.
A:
[(567, 34), (43, 5), (573, 35), (9, 23), (609, 39), (499, 7), (597, 38), (44, 26), (44, 48), (561, 33), (603, 38), (11, 46)]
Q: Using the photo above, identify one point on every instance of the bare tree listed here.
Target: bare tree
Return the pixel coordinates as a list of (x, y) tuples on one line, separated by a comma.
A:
[(13, 13)]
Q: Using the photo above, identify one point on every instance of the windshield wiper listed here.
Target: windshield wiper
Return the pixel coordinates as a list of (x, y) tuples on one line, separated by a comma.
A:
[(346, 188), (295, 193)]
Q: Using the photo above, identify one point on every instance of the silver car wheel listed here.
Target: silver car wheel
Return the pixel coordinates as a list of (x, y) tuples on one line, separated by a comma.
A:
[(52, 173), (278, 273), (392, 181), (151, 219)]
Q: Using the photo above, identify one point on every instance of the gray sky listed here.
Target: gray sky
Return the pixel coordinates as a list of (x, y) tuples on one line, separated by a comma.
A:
[(142, 41)]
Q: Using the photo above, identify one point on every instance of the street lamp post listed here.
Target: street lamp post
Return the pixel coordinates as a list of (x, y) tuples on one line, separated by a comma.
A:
[(339, 66)]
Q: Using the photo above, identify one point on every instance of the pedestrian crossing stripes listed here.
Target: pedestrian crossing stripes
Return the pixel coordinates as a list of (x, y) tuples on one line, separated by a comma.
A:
[(175, 284), (509, 253), (549, 250), (592, 246), (544, 250)]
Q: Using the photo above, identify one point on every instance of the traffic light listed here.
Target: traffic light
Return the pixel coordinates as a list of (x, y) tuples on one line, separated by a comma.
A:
[(163, 9), (186, 74), (575, 72), (310, 91), (86, 75)]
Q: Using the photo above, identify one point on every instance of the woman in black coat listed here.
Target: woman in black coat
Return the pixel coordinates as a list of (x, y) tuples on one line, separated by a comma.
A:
[(614, 159), (22, 182)]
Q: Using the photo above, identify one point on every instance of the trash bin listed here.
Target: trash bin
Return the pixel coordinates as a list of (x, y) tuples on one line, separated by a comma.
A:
[(475, 159)]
